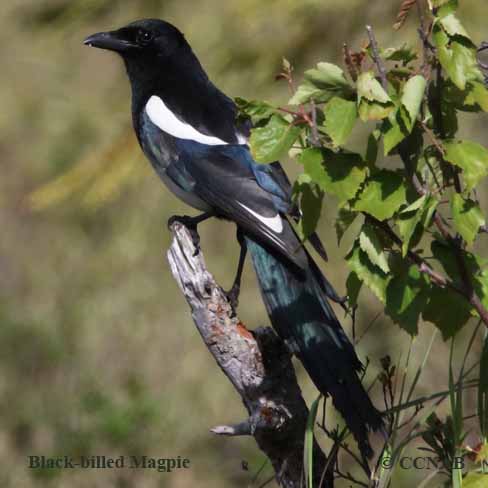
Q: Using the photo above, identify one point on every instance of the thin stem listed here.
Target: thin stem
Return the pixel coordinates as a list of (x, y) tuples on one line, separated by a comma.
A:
[(377, 58)]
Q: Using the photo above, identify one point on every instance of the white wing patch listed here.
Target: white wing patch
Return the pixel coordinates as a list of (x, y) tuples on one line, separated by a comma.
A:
[(274, 223), (167, 121), (241, 138)]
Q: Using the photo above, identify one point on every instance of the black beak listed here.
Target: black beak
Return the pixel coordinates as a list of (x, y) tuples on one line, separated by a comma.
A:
[(110, 41)]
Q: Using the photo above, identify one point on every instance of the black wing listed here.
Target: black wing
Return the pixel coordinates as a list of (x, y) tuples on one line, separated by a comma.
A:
[(228, 184)]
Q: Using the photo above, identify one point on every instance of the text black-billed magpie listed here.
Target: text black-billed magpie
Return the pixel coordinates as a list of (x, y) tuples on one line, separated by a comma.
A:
[(187, 128)]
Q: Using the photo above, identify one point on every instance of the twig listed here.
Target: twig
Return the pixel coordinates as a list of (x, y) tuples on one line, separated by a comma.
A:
[(424, 37), (257, 364), (437, 144), (314, 129), (377, 58)]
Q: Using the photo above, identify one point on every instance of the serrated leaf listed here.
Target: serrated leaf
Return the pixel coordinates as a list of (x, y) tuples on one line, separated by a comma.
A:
[(478, 94), (406, 226), (468, 217), (471, 157), (373, 247), (447, 310), (374, 110), (445, 7), (453, 26), (403, 53), (329, 77), (475, 266), (321, 84), (394, 131), (406, 296), (273, 141), (353, 287), (419, 203), (344, 220), (340, 117), (375, 279), (412, 97), (372, 147), (370, 88), (340, 174), (256, 110), (311, 205), (307, 92), (457, 56), (419, 212), (383, 194)]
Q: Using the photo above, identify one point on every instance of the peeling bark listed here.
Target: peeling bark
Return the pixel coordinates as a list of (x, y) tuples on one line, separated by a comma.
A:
[(257, 364)]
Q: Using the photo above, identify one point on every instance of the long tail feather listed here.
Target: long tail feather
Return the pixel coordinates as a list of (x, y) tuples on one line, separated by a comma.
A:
[(301, 314)]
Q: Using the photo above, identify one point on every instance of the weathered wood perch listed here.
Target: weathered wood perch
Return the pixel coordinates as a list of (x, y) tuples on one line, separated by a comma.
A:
[(257, 364)]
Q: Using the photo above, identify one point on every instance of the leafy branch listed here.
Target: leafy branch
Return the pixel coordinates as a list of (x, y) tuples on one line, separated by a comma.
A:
[(413, 98)]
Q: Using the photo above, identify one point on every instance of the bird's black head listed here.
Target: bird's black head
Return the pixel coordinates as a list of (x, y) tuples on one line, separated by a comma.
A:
[(157, 57), (147, 39)]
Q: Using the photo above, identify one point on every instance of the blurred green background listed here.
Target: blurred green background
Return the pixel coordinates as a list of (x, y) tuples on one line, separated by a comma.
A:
[(98, 353)]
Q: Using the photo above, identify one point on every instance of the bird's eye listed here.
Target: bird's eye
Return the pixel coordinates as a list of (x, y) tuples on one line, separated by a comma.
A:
[(144, 37)]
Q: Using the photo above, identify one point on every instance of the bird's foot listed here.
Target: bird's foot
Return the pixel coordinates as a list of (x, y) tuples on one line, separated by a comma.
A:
[(191, 223), (233, 296)]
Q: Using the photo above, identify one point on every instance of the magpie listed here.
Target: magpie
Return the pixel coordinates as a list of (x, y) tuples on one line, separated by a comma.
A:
[(189, 131)]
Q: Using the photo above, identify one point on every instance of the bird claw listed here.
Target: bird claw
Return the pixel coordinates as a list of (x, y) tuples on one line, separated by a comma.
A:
[(191, 224), (233, 296)]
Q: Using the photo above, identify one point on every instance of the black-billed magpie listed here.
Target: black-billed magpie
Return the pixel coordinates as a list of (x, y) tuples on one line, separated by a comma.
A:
[(188, 130)]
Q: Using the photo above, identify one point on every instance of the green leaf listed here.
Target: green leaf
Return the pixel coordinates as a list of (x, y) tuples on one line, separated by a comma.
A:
[(407, 224), (419, 203), (403, 53), (370, 88), (394, 131), (344, 220), (374, 102), (328, 77), (412, 97), (457, 56), (371, 244), (309, 441), (374, 110), (353, 287), (468, 217), (447, 310), (453, 26), (273, 141), (340, 117), (475, 480), (306, 92), (375, 279), (471, 157), (419, 212), (406, 297), (321, 84), (383, 195), (311, 205), (340, 174), (256, 110), (478, 94), (372, 147), (483, 391), (445, 7), (445, 255)]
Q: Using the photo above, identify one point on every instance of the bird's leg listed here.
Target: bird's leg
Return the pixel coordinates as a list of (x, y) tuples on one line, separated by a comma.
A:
[(191, 223), (233, 293)]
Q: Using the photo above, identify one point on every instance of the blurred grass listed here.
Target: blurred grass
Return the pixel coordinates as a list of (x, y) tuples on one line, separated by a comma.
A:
[(97, 350)]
